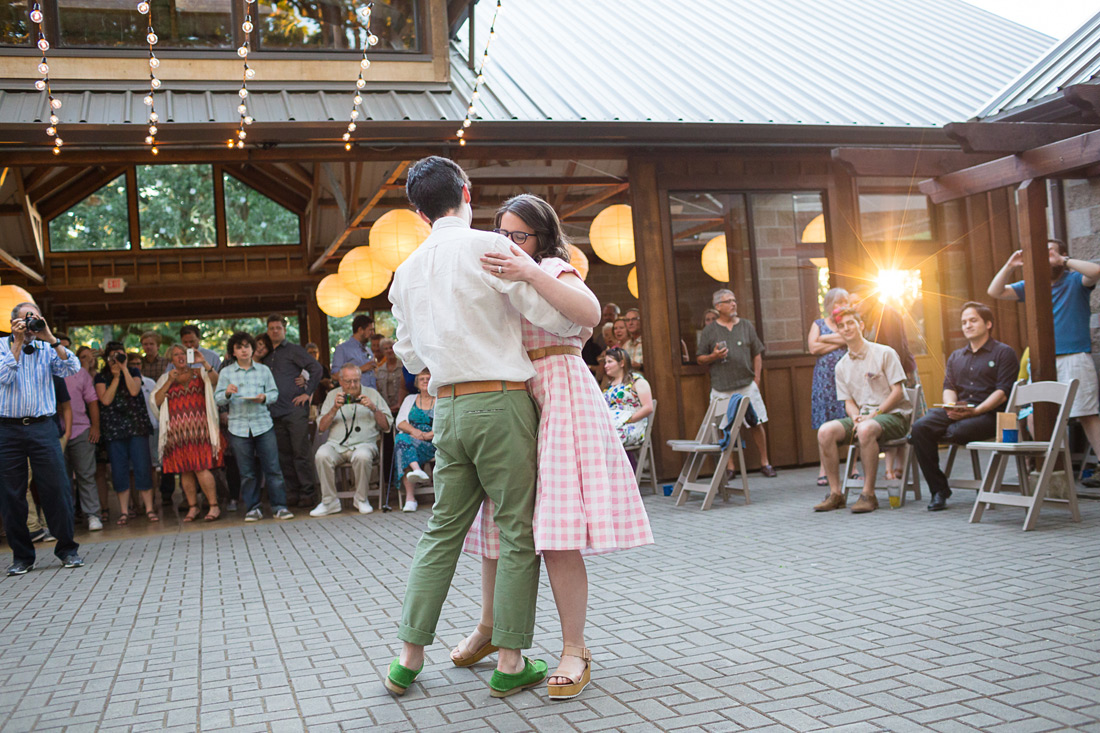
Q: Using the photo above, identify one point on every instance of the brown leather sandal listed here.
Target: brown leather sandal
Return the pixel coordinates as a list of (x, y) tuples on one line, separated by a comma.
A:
[(467, 660), (576, 687)]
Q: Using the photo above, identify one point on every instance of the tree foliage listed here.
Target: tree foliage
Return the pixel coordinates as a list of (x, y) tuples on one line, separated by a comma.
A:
[(176, 206), (99, 222)]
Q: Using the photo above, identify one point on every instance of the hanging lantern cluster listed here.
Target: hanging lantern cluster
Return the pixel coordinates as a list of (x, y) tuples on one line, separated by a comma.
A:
[(334, 299), (475, 96), (249, 73), (43, 84), (612, 235), (154, 82), (363, 274), (360, 83)]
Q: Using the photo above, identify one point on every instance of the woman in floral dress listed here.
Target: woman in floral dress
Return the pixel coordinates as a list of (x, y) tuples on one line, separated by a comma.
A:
[(827, 345), (587, 499), (628, 396)]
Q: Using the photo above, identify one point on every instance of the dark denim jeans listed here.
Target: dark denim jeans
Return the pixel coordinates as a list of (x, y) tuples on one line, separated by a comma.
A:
[(131, 453), (266, 449), (39, 443)]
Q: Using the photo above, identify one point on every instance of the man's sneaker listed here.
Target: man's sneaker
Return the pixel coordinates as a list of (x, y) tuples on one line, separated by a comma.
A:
[(283, 514), (72, 560), (410, 506), (94, 523), (254, 515), (20, 568), (865, 504), (231, 506), (43, 535), (418, 476), (364, 507), (324, 510)]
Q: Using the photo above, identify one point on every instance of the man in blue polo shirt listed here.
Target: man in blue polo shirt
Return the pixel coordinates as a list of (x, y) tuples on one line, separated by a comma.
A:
[(1071, 284)]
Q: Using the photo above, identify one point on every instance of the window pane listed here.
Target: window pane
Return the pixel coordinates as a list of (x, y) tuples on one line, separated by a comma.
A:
[(894, 217), (313, 25), (788, 267), (706, 227), (15, 24), (254, 219), (99, 222), (176, 206), (118, 24)]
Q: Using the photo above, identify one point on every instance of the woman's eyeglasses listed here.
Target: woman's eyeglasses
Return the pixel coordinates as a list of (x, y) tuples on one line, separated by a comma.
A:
[(517, 237)]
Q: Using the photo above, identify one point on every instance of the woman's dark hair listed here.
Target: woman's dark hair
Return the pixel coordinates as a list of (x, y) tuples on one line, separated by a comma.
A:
[(891, 332), (623, 358), (434, 186), (541, 217), (238, 338), (265, 340), (111, 346)]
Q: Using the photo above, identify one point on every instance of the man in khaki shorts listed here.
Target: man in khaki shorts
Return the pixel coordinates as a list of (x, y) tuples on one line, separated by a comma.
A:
[(871, 381)]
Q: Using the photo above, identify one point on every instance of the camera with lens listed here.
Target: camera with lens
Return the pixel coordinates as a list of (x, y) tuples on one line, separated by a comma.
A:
[(120, 358), (33, 323)]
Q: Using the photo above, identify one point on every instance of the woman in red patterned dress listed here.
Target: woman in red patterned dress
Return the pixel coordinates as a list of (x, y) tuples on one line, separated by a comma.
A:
[(190, 438), (587, 499)]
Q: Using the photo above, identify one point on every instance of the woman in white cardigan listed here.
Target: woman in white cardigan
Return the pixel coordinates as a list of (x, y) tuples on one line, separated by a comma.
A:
[(190, 439)]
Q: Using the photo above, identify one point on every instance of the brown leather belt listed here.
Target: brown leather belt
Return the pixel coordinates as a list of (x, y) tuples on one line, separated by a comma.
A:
[(465, 388), (536, 354)]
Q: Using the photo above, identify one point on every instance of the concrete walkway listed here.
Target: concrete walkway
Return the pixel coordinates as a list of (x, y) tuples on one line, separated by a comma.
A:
[(766, 617)]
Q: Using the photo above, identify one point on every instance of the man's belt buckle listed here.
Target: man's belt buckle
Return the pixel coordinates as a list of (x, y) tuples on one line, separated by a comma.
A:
[(26, 420)]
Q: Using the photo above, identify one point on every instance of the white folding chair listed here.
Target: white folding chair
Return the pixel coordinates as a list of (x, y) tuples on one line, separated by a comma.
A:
[(910, 475), (1031, 497), (974, 483), (645, 466), (706, 444)]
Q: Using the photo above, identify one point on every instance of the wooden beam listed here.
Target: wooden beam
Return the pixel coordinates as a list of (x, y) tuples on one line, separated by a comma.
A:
[(916, 162), (1032, 197), (275, 190), (353, 223), (32, 220), (594, 199), (1011, 137), (1085, 97), (337, 192), (18, 266), (1049, 160), (313, 213), (80, 189)]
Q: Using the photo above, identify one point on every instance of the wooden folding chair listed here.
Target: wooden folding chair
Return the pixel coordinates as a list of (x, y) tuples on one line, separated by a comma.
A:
[(706, 444), (910, 474), (645, 466), (1030, 497)]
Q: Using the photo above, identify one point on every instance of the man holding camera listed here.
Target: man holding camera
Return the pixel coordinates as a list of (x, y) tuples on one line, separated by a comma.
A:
[(29, 362)]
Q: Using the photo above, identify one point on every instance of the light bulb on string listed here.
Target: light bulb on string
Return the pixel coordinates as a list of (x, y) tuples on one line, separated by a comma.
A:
[(154, 82), (43, 67), (43, 44), (154, 117), (51, 130), (249, 72), (40, 85), (370, 40), (143, 8), (247, 26), (154, 62), (479, 79), (55, 102), (54, 119), (154, 150), (151, 38), (36, 14)]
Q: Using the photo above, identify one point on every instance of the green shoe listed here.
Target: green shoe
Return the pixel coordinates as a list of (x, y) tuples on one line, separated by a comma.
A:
[(503, 685), (400, 678)]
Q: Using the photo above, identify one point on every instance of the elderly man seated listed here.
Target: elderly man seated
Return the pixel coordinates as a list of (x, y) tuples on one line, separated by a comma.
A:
[(871, 381), (354, 416)]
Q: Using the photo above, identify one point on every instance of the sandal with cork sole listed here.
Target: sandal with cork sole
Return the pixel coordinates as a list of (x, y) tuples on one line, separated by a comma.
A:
[(576, 687), (467, 660)]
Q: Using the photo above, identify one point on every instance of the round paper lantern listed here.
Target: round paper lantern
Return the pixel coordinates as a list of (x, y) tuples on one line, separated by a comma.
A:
[(612, 235), (632, 281), (362, 273), (814, 233), (395, 236), (578, 259), (11, 296), (334, 299), (716, 261)]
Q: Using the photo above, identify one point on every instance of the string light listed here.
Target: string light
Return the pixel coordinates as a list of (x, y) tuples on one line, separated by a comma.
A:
[(360, 82), (154, 82), (475, 96), (242, 109), (43, 84)]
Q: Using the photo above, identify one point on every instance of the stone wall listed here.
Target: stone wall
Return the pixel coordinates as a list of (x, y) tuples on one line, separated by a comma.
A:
[(1083, 232)]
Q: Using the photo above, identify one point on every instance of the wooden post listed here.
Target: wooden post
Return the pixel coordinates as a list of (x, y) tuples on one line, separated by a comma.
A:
[(318, 327), (842, 246), (1032, 198)]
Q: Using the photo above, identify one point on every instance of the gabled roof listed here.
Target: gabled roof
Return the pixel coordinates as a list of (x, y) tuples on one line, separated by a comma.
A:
[(835, 62), (1075, 60)]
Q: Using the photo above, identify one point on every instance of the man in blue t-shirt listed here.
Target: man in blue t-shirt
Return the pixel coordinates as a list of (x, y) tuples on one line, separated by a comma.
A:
[(1071, 284)]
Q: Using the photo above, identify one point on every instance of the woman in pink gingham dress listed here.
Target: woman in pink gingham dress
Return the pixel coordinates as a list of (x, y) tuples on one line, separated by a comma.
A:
[(587, 498)]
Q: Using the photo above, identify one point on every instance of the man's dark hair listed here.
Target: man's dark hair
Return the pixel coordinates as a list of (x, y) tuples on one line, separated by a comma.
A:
[(190, 329), (1062, 248), (983, 310), (434, 186), (361, 321), (238, 338), (276, 317)]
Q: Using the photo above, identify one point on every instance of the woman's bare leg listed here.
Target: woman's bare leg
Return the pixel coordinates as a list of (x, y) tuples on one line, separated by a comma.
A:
[(569, 581), (476, 640)]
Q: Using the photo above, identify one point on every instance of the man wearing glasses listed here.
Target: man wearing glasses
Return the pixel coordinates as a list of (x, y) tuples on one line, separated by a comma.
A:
[(730, 347), (633, 344)]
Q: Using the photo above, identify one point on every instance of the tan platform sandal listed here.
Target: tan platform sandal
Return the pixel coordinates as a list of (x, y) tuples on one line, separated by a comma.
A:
[(467, 660), (567, 692)]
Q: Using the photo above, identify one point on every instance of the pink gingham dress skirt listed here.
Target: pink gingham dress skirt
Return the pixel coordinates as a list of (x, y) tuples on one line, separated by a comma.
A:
[(586, 495)]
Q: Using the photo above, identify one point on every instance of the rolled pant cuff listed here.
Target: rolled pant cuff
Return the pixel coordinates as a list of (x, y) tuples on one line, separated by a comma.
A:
[(415, 636), (512, 640)]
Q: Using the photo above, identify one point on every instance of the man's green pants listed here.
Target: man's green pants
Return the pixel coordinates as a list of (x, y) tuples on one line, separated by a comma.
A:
[(484, 446)]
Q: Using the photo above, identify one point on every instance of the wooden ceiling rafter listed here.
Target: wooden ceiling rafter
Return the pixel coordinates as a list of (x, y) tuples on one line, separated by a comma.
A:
[(1011, 137), (79, 189), (592, 200)]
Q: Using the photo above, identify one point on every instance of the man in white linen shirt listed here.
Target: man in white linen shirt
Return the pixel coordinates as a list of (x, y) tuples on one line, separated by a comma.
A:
[(464, 325)]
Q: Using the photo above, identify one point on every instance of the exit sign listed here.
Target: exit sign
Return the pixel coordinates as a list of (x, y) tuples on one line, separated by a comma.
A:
[(113, 285)]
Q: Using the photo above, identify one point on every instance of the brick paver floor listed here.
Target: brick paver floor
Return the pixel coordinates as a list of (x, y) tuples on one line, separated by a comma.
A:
[(765, 617)]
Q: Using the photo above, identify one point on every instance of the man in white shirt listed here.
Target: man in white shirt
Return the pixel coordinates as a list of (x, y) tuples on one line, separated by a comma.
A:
[(464, 326), (354, 416)]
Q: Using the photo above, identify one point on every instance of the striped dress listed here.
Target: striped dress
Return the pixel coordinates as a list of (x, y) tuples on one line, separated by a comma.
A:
[(187, 445), (586, 496)]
